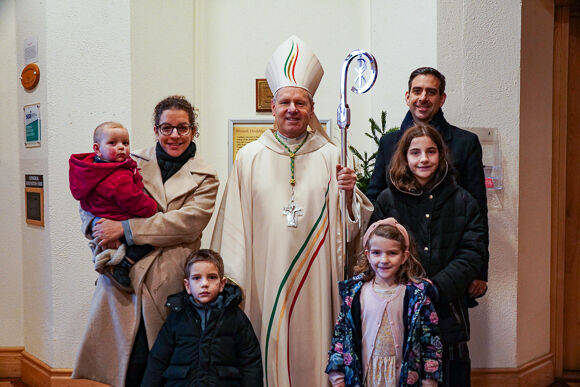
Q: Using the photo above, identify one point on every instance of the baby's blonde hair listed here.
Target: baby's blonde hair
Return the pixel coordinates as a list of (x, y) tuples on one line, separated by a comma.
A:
[(99, 130)]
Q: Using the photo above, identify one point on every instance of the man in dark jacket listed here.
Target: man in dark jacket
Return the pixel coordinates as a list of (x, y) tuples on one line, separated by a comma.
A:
[(425, 97), (207, 339)]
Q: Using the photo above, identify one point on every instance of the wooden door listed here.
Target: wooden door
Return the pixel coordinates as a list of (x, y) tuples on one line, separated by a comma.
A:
[(571, 339)]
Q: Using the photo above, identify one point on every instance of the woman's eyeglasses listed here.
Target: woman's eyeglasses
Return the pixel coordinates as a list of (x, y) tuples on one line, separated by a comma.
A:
[(167, 129)]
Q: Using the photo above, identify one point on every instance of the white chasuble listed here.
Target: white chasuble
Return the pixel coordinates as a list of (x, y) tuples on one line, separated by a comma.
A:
[(288, 274)]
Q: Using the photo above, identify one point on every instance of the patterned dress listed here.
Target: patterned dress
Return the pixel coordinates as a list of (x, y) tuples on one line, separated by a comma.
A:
[(384, 365), (421, 350)]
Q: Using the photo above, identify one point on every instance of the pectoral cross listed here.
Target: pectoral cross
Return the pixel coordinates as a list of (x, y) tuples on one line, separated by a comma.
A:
[(291, 211)]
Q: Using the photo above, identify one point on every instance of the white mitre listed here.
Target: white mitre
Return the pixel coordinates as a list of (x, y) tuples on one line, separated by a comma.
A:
[(295, 64)]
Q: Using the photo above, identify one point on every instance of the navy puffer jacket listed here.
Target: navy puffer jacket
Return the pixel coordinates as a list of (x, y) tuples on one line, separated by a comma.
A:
[(225, 353)]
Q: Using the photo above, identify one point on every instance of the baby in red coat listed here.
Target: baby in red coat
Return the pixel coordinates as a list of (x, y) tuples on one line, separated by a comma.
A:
[(108, 185)]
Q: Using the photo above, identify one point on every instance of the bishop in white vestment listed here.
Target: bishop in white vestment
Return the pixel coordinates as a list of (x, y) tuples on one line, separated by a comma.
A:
[(279, 225)]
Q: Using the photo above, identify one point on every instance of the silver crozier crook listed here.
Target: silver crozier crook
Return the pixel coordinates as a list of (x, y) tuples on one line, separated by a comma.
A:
[(361, 85)]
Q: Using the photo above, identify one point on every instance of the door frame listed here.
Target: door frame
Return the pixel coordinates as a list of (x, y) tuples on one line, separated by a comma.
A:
[(562, 12)]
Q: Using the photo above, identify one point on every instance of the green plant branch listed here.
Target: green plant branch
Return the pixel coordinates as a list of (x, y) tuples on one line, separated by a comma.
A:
[(363, 163)]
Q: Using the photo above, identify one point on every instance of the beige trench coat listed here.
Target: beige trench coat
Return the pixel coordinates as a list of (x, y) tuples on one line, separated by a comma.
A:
[(185, 204)]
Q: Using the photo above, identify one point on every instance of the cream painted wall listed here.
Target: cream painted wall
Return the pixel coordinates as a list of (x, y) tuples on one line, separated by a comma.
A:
[(488, 69), (76, 104), (479, 51), (85, 80), (162, 60), (11, 206), (400, 47), (35, 260)]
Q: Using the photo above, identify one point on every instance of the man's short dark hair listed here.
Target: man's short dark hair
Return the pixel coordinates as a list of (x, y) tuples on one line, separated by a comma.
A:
[(428, 71)]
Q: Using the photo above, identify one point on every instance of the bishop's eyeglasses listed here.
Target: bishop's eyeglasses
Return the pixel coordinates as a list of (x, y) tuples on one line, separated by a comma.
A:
[(167, 129)]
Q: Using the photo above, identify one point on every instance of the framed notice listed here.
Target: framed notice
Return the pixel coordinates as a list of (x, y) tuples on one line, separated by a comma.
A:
[(32, 125), (34, 199), (242, 132)]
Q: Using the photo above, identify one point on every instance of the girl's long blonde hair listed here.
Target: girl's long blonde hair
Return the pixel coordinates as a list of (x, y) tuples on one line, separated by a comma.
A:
[(410, 271)]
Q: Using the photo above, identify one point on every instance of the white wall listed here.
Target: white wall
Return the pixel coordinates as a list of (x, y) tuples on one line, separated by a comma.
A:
[(499, 80), (162, 60), (89, 81), (404, 37), (84, 60), (479, 51), (35, 260), (11, 204)]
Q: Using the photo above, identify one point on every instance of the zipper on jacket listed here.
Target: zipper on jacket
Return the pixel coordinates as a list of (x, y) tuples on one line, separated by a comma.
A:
[(454, 310)]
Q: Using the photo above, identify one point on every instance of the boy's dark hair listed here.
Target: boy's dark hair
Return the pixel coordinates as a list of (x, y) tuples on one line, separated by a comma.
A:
[(205, 255), (428, 71), (175, 102)]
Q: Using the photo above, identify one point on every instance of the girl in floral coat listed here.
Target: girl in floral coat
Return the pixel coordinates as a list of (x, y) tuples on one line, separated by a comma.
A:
[(387, 332)]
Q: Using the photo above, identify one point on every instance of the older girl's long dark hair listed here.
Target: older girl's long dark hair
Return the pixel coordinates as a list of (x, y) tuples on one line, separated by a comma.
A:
[(399, 171)]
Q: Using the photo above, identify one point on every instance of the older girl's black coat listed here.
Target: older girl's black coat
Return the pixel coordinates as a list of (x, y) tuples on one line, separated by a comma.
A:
[(449, 234), (226, 353)]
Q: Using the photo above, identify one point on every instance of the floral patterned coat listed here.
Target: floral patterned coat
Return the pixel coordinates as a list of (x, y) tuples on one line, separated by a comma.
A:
[(422, 350)]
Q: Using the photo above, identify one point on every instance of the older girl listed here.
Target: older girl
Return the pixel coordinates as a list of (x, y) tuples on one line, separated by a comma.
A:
[(444, 221)]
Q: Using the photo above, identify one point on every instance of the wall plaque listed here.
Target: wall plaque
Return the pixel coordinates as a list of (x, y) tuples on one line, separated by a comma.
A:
[(32, 125), (242, 132), (34, 198), (263, 96)]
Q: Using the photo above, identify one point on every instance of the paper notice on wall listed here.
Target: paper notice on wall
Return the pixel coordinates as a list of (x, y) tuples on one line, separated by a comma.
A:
[(30, 50)]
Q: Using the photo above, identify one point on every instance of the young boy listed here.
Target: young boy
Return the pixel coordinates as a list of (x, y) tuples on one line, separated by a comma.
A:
[(207, 340), (108, 185)]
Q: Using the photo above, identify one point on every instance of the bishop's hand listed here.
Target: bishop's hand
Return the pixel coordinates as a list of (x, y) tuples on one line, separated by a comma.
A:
[(346, 178)]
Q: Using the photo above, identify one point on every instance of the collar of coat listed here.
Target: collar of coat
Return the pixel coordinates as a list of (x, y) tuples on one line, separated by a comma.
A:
[(351, 286), (438, 122), (231, 295), (314, 142), (446, 180), (177, 184)]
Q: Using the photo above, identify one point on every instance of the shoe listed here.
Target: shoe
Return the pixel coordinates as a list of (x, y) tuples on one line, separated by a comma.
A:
[(119, 276)]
